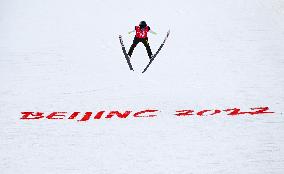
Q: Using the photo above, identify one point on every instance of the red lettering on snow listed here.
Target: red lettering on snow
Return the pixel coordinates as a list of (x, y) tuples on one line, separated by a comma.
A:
[(99, 115), (74, 115), (31, 115), (120, 115), (216, 111), (260, 110), (144, 113), (138, 114), (88, 115), (184, 113), (200, 113), (56, 115)]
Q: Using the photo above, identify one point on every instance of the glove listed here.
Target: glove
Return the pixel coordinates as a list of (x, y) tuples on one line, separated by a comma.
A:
[(153, 32)]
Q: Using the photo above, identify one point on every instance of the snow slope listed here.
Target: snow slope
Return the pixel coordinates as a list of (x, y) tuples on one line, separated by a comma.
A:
[(65, 56)]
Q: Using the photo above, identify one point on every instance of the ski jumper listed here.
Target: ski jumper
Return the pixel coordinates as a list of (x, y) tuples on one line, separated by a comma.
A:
[(141, 36)]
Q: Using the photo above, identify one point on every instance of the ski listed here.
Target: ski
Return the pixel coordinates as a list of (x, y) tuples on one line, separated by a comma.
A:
[(125, 53), (159, 49)]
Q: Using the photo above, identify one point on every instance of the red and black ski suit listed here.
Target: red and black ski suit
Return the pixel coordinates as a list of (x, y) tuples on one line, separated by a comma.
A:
[(141, 36)]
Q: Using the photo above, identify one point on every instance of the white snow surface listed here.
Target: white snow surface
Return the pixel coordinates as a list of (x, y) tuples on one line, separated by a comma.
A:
[(65, 56)]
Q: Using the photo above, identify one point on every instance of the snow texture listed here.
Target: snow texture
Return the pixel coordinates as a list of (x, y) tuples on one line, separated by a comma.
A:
[(66, 56)]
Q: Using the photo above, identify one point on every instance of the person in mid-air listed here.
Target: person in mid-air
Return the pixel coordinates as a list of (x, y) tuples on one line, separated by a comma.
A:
[(141, 36)]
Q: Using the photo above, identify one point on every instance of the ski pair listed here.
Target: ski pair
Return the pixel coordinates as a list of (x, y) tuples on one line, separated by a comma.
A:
[(152, 58)]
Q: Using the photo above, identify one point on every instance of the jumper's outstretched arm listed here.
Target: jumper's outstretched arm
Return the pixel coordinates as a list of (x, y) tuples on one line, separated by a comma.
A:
[(131, 31), (153, 32)]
